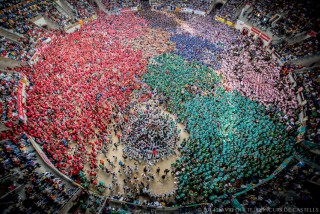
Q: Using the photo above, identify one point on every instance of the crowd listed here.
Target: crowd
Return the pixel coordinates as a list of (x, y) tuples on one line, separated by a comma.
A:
[(245, 66), (13, 155), (231, 10), (300, 18), (256, 75), (307, 47), (216, 160), (152, 43), (158, 20), (9, 96), (117, 4), (15, 50), (251, 66), (92, 202), (149, 135), (82, 8), (36, 190), (54, 14), (195, 49), (16, 17), (308, 83), (292, 189), (65, 110), (191, 79), (86, 84), (9, 3), (202, 5)]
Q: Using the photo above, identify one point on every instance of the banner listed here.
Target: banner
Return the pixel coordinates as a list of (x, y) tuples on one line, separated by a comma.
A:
[(255, 30), (20, 99), (186, 10), (265, 37), (217, 18), (123, 10), (312, 33), (189, 10), (231, 24), (199, 12)]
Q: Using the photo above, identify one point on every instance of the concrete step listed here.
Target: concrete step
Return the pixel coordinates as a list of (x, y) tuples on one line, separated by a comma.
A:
[(101, 6), (10, 34), (67, 9)]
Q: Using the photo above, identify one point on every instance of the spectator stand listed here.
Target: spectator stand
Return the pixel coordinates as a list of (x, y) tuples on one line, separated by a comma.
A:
[(49, 163), (308, 83), (293, 51), (193, 7), (247, 29), (284, 191), (87, 202), (121, 6), (95, 203), (47, 38), (24, 171), (66, 8), (231, 10), (10, 34), (13, 93), (13, 50), (81, 8)]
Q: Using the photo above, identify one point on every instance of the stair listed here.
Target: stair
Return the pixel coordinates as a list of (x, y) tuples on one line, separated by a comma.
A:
[(10, 34), (101, 6), (51, 24), (307, 60), (66, 8)]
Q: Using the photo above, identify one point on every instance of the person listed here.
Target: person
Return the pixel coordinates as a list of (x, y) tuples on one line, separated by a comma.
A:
[(166, 171)]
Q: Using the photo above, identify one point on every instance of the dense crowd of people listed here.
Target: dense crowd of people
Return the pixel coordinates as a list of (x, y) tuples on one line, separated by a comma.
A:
[(14, 50), (302, 16), (85, 104), (39, 190), (181, 97), (82, 8), (54, 14), (290, 190), (307, 47), (192, 79), (222, 86), (202, 5), (9, 96), (231, 9), (9, 3), (218, 128), (308, 83), (14, 155), (15, 18), (148, 135), (118, 4)]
